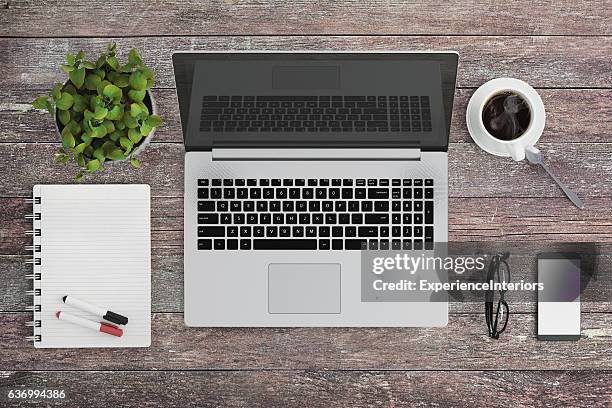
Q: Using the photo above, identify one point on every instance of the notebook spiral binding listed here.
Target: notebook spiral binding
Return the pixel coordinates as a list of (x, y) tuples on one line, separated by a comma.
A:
[(35, 277)]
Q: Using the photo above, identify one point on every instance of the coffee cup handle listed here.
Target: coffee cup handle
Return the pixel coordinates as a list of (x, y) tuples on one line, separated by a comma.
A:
[(516, 151)]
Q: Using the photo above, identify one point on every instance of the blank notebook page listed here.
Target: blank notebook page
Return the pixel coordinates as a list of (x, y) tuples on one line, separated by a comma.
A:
[(96, 246)]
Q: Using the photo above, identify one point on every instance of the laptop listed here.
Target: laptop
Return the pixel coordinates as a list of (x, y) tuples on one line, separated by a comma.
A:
[(297, 162)]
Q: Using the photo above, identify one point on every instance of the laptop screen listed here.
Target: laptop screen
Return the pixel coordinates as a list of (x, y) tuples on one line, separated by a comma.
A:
[(255, 100)]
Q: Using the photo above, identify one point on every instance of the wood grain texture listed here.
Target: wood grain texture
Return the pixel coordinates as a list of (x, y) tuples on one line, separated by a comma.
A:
[(353, 389), (29, 18), (585, 167), (462, 345), (572, 116), (549, 61)]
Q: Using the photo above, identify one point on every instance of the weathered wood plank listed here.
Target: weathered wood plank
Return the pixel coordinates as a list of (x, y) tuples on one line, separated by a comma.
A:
[(538, 220), (167, 284), (178, 17), (585, 167), (462, 345), (572, 116), (321, 388), (578, 62)]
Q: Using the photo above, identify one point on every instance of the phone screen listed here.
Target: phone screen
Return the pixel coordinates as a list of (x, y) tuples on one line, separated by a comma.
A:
[(559, 297)]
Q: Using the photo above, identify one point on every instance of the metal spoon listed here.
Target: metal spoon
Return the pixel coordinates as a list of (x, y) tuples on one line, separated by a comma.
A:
[(534, 156)]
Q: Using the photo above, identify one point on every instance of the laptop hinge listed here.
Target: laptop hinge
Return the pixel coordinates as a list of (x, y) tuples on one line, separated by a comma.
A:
[(316, 154)]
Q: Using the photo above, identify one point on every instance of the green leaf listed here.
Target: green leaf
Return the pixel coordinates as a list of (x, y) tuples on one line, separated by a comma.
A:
[(77, 77), (135, 162), (51, 107), (116, 135), (87, 115), (147, 73), (99, 131), (70, 89), (99, 154), (154, 121), (89, 65), (101, 86), (134, 58), (92, 81), (80, 147), (126, 144), (65, 101), (145, 128), (122, 81), (79, 177), (114, 113), (74, 128), (40, 102), (100, 72), (135, 110), (80, 103), (137, 96), (130, 121), (70, 59), (67, 139), (120, 124), (113, 62), (64, 117), (93, 165), (80, 160), (80, 55), (134, 135), (144, 108), (86, 138), (113, 91), (109, 125), (67, 68), (56, 92), (115, 154), (100, 113), (150, 83), (138, 81)]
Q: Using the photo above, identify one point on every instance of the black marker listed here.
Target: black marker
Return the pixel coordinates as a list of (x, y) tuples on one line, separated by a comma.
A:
[(98, 311)]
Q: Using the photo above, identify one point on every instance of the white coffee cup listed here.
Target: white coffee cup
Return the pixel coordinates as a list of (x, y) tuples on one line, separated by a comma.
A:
[(514, 148)]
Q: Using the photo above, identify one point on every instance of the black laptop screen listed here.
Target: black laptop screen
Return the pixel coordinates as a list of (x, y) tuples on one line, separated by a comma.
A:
[(255, 100)]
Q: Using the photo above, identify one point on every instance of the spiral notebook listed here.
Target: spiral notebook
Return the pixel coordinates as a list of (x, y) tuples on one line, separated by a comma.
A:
[(92, 242)]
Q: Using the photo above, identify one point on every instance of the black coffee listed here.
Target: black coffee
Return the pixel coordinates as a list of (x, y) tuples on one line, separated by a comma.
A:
[(506, 116)]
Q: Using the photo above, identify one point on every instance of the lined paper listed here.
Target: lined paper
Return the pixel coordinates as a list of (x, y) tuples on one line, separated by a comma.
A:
[(95, 245)]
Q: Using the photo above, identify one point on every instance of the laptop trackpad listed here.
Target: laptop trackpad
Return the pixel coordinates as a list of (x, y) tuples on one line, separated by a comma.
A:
[(303, 288)]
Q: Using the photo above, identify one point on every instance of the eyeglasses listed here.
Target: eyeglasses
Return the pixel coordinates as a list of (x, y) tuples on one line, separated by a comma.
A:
[(500, 272)]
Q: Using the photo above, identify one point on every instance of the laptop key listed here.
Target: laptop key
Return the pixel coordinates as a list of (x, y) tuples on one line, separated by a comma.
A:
[(202, 193), (337, 244), (211, 231), (355, 244), (219, 244), (206, 206), (208, 218), (324, 244), (429, 212), (289, 244), (245, 244), (204, 244), (232, 244), (378, 193)]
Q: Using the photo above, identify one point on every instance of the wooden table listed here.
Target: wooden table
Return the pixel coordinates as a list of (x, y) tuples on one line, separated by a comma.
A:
[(562, 48)]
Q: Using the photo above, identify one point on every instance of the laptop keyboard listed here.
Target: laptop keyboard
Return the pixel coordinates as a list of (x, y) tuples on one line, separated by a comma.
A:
[(315, 114), (313, 214)]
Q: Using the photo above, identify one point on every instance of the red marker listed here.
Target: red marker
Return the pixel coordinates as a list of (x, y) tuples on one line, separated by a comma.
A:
[(97, 326)]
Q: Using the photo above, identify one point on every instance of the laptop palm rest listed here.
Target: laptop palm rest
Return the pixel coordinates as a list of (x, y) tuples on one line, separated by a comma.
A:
[(311, 288)]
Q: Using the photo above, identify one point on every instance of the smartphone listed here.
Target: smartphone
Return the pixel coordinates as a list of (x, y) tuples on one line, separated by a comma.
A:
[(558, 296)]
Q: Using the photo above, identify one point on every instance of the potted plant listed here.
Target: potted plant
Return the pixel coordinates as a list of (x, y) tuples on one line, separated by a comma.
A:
[(104, 112)]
